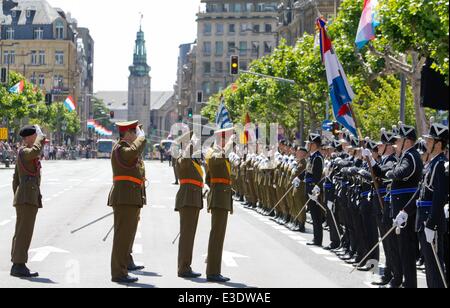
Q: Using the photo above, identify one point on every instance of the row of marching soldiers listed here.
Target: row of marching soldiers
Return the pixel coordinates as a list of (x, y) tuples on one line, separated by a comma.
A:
[(406, 206)]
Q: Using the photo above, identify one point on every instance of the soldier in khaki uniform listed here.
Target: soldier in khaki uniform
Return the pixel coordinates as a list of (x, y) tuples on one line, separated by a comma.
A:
[(127, 196), (299, 191), (27, 198), (189, 202), (220, 202)]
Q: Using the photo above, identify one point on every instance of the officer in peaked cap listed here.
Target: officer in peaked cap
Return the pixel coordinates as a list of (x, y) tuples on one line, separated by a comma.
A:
[(405, 177), (431, 220), (127, 197), (313, 178)]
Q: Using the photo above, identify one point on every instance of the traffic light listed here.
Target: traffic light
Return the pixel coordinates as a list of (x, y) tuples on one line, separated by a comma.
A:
[(190, 113), (234, 65), (111, 114), (3, 75), (48, 99)]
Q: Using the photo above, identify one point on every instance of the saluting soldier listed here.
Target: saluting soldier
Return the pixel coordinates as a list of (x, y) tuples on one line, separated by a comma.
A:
[(127, 196), (189, 203), (431, 224), (220, 202), (27, 198)]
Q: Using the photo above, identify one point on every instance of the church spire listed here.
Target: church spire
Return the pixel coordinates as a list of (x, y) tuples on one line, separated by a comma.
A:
[(140, 66)]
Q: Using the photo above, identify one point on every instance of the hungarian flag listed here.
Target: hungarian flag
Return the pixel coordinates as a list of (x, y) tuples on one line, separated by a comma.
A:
[(70, 104), (368, 23), (17, 88), (341, 92)]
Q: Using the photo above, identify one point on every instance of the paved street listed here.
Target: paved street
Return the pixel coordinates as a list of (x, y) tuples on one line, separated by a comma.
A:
[(259, 253)]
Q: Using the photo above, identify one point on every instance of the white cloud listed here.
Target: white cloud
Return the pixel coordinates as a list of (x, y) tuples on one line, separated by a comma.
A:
[(113, 25)]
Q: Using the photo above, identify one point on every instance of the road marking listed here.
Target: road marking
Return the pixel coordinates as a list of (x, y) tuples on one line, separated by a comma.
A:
[(43, 252), (279, 227), (333, 259), (158, 206), (48, 200), (228, 258), (4, 222), (303, 243), (287, 232)]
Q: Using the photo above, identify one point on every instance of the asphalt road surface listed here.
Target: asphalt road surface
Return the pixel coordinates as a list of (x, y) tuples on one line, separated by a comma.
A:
[(258, 253)]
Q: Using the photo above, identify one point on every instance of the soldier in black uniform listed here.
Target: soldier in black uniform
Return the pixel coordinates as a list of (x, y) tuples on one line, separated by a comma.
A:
[(405, 181), (313, 176), (330, 196), (392, 272), (431, 224)]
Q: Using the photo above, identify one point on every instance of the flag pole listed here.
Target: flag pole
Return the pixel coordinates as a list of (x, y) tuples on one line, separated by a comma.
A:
[(372, 172)]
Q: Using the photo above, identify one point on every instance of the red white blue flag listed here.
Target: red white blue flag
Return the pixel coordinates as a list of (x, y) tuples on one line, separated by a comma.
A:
[(341, 92), (70, 104), (368, 23), (17, 88)]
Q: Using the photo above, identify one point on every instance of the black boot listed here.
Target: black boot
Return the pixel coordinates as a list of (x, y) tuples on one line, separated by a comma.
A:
[(21, 271)]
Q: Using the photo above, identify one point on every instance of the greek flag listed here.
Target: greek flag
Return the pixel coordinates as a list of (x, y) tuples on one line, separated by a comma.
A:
[(223, 119)]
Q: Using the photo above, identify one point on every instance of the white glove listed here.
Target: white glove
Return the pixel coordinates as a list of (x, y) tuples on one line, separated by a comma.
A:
[(446, 211), (316, 190), (139, 132), (39, 131), (430, 235), (330, 206), (366, 153), (296, 182), (401, 220), (314, 197)]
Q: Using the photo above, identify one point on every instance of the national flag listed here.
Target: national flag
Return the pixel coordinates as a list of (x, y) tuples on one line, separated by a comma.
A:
[(17, 88), (70, 104), (223, 119), (368, 23), (90, 124), (341, 92), (245, 138)]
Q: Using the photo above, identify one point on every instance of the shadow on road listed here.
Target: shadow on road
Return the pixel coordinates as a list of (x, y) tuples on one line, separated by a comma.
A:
[(141, 286), (227, 284), (40, 280)]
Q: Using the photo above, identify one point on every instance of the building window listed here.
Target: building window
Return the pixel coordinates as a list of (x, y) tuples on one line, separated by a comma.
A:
[(206, 67), (9, 33), (245, 27), (33, 79), (267, 47), (231, 47), (218, 86), (59, 30), (9, 57), (219, 29), (243, 48), (58, 82), (41, 57), (34, 57), (207, 48), (219, 49), (255, 48), (207, 28), (256, 28), (218, 67), (243, 65), (268, 28), (41, 81), (231, 28), (59, 57), (206, 87), (38, 33)]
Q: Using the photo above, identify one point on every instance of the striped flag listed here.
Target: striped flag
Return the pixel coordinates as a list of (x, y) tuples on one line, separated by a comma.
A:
[(223, 119), (341, 92), (91, 124), (17, 88), (70, 104), (368, 23)]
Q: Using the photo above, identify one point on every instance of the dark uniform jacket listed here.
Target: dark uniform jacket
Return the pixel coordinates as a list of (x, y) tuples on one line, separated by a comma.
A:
[(314, 170), (190, 193), (433, 196), (128, 171), (27, 175)]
